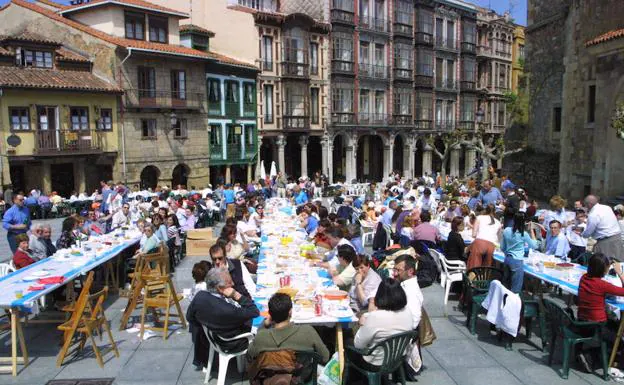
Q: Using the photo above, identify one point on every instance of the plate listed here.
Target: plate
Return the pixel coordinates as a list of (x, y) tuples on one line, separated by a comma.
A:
[(40, 273), (303, 315), (340, 313)]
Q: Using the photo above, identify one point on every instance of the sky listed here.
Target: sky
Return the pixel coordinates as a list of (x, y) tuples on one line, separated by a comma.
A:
[(518, 7)]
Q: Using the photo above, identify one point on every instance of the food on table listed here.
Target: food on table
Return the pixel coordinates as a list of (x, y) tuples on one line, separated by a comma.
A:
[(289, 291), (565, 266), (335, 294), (550, 265)]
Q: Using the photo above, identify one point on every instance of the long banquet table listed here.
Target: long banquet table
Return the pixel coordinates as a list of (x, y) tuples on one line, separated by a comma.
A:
[(66, 263), (280, 255)]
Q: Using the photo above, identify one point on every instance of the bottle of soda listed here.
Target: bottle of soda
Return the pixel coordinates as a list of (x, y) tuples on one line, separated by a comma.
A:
[(318, 305)]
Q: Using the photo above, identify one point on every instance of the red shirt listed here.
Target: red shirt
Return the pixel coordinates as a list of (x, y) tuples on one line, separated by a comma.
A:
[(591, 298), (22, 259)]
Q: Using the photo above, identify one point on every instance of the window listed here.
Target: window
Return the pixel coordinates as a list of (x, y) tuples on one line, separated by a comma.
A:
[(79, 118), (250, 133), (379, 55), (148, 128), (232, 138), (135, 25), (314, 58), (424, 62), (425, 22), (469, 32), (423, 106), (439, 30), (402, 101), (231, 92), (468, 70), (147, 82), (364, 52), (342, 98), (364, 103), (178, 84), (179, 129), (268, 103), (214, 91), (343, 51), (380, 104), (249, 93), (501, 114), (267, 53), (468, 109), (20, 118), (215, 134), (403, 12), (450, 34), (39, 59), (314, 105), (557, 119), (158, 27), (591, 104), (105, 123), (403, 60), (521, 52)]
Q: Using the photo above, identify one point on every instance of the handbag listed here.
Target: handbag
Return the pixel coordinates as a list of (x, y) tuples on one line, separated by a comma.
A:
[(426, 334)]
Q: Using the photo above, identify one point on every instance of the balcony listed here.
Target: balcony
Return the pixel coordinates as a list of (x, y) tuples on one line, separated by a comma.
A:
[(158, 99), (495, 129), (446, 85), (423, 124), (233, 155), (232, 110), (423, 81), (467, 86), (266, 65), (445, 125), (342, 67), (260, 5), (404, 74), (423, 38), (404, 30), (375, 24), (446, 44), (402, 120), (373, 118), (466, 125), (500, 89), (484, 51), (295, 123), (503, 54), (294, 69), (467, 47), (343, 118), (366, 70), (68, 142), (342, 12)]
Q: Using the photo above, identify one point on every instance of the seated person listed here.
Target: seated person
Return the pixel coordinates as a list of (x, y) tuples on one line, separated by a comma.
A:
[(278, 333), (320, 238), (556, 242), (151, 242), (344, 273), (455, 248), (308, 221), (222, 310), (390, 316), (22, 256), (243, 283), (425, 231), (453, 211), (200, 269), (365, 283)]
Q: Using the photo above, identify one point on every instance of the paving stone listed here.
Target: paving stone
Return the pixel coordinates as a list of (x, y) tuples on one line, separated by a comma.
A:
[(460, 354), (479, 376)]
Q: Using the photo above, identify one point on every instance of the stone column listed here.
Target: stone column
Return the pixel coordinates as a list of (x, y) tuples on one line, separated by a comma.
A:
[(303, 142), (388, 157), (46, 177), (228, 174), (249, 172), (410, 149), (455, 160), (470, 160), (427, 153), (349, 162), (325, 154), (80, 183), (281, 146)]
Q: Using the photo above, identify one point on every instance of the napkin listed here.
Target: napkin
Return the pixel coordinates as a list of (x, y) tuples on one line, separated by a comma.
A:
[(51, 280), (36, 287)]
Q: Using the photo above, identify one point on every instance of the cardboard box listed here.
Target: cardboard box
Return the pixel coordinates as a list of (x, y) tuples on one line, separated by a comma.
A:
[(198, 242)]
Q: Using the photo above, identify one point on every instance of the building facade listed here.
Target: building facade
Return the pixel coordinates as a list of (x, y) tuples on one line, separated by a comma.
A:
[(517, 57), (58, 120), (575, 86)]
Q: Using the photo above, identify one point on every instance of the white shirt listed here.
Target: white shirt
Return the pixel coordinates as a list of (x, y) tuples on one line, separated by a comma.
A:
[(378, 326), (252, 223), (574, 238), (250, 285), (601, 223), (333, 255), (119, 220), (415, 299), (487, 231)]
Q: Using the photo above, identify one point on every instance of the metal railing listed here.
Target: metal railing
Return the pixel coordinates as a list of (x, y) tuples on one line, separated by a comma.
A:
[(423, 124), (423, 38), (445, 125), (402, 120), (403, 29), (153, 98), (446, 84), (371, 23), (465, 85), (232, 109), (342, 16), (368, 70), (402, 73), (467, 47), (442, 43), (342, 66), (423, 81), (295, 69), (343, 118), (483, 50), (373, 118), (233, 152), (291, 122), (466, 125), (68, 141)]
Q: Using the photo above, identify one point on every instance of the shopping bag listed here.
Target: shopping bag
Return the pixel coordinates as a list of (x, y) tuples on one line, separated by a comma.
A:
[(425, 330), (331, 373)]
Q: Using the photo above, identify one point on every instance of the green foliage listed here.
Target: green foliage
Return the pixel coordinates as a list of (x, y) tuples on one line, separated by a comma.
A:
[(617, 121)]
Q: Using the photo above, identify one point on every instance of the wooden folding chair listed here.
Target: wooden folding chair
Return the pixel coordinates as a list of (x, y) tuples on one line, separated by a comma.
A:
[(163, 300), (69, 309)]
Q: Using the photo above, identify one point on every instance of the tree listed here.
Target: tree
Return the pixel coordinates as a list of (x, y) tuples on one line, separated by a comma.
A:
[(450, 140)]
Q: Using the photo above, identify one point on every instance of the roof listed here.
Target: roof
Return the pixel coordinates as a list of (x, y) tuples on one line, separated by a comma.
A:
[(69, 55), (139, 4), (29, 37), (139, 45), (52, 4), (614, 34), (196, 29), (39, 78)]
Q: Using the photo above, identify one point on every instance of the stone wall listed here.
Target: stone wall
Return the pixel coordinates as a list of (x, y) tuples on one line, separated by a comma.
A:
[(539, 176)]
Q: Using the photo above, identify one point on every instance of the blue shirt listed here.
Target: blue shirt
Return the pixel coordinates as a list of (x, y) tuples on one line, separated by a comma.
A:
[(558, 246), (301, 198), (491, 196), (16, 216), (561, 216), (513, 243), (312, 224), (472, 203), (30, 201), (105, 193), (229, 196), (386, 218)]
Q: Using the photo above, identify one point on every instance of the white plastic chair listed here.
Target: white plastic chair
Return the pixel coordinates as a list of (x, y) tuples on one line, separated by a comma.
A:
[(6, 268), (224, 358), (452, 271), (12, 265)]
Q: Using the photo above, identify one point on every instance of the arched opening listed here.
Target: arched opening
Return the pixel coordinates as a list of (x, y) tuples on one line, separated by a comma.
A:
[(436, 162), (149, 177), (370, 158), (217, 175), (292, 153), (315, 151), (339, 169), (180, 175), (462, 162), (418, 161), (397, 155), (268, 153)]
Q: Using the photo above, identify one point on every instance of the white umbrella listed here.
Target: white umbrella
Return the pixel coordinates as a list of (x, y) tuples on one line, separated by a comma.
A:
[(257, 170), (262, 170), (273, 169)]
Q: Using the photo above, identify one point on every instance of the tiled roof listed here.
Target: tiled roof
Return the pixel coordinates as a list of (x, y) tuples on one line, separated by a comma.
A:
[(196, 29), (129, 3), (68, 55), (30, 37), (135, 44), (52, 4), (39, 78), (605, 37)]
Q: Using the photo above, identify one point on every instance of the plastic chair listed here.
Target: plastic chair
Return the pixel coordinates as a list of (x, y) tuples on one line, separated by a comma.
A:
[(563, 325), (476, 285), (6, 268), (394, 351), (224, 358), (452, 271)]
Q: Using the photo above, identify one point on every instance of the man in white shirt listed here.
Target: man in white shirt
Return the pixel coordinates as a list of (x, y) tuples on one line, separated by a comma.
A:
[(603, 226), (122, 217), (405, 272), (335, 237)]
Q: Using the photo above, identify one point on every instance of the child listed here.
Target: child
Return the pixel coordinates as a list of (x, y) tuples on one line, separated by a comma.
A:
[(174, 242), (578, 244), (22, 257), (200, 269)]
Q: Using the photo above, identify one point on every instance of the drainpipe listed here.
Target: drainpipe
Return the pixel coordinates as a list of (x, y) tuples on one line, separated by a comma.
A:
[(123, 129)]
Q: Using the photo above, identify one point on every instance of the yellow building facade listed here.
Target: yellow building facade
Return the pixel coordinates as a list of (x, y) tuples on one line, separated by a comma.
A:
[(517, 56)]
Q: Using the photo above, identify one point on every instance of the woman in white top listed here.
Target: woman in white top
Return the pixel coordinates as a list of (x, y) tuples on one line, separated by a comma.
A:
[(389, 317), (485, 231)]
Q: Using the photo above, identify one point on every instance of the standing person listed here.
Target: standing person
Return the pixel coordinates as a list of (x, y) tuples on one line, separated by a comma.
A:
[(489, 194), (485, 232), (603, 226), (280, 182), (513, 245), (106, 192), (229, 199), (557, 212), (16, 220)]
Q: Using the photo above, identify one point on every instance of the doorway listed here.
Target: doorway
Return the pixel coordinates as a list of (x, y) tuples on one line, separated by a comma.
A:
[(62, 178)]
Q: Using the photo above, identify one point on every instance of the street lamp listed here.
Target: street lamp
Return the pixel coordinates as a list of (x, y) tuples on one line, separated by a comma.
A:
[(480, 115), (174, 119)]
